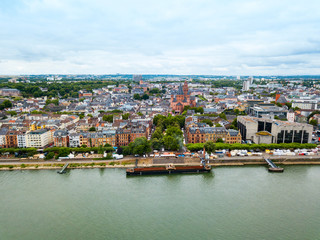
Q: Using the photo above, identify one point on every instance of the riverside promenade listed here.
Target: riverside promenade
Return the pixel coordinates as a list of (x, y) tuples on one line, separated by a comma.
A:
[(18, 164)]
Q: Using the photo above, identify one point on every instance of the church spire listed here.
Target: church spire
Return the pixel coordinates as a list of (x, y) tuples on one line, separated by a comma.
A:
[(185, 88)]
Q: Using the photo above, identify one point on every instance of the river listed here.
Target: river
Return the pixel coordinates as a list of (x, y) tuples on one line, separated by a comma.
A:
[(230, 203)]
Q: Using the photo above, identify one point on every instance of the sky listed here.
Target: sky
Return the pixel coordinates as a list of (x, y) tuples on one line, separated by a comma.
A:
[(214, 37)]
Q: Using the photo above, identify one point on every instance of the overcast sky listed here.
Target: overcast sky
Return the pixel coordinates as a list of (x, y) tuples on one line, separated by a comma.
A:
[(240, 37)]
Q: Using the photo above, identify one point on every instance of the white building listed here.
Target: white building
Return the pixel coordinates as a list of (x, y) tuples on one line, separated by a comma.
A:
[(74, 140), (38, 138), (21, 138), (246, 85), (291, 116), (305, 104)]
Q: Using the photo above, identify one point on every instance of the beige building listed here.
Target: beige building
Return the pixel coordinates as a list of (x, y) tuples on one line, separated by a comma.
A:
[(264, 130), (38, 138)]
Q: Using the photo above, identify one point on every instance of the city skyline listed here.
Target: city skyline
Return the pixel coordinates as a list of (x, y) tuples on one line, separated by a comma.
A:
[(179, 37)]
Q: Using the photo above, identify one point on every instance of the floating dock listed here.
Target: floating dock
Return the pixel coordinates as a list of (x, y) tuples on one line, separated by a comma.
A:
[(170, 169), (272, 166)]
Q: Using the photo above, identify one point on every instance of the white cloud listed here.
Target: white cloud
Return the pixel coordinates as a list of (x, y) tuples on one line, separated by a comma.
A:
[(175, 37)]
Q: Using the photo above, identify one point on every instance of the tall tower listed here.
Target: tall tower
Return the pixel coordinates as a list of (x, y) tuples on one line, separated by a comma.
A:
[(185, 88)]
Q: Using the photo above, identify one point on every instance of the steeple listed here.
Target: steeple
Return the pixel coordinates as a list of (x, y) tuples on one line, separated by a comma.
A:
[(180, 90), (185, 88)]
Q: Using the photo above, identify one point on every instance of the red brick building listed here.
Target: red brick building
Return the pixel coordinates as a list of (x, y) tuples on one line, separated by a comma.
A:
[(182, 98)]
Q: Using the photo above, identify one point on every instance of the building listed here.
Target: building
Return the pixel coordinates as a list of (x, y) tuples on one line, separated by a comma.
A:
[(246, 85), (233, 136), (182, 98), (305, 104), (84, 93), (11, 139), (205, 134), (74, 140), (137, 132), (123, 137), (264, 130), (61, 138), (21, 137), (11, 92), (291, 115), (38, 138), (264, 110), (3, 133)]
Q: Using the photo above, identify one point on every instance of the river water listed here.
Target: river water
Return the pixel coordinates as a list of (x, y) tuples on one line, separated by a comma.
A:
[(230, 203)]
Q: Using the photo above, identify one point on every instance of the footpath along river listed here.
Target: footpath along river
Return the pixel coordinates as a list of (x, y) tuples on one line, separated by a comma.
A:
[(229, 203)]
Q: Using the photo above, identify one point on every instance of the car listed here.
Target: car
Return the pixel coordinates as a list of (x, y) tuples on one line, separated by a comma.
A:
[(136, 155)]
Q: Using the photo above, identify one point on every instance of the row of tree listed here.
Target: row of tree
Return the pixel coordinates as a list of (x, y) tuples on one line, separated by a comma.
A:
[(199, 146)]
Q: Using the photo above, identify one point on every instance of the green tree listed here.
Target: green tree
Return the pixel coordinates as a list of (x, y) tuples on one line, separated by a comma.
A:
[(125, 116), (108, 118), (174, 131), (49, 156), (92, 129), (223, 116), (314, 122), (156, 143), (136, 96), (219, 140), (12, 113), (171, 143), (209, 147), (145, 96), (157, 134), (140, 146), (207, 121), (218, 125)]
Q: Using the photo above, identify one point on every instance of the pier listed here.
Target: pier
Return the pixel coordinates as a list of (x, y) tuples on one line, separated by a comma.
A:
[(272, 166), (63, 169)]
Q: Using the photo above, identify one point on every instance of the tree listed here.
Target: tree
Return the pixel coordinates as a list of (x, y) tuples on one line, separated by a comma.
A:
[(154, 90), (157, 134), (207, 121), (223, 116), (108, 118), (140, 146), (209, 147), (92, 129), (5, 104), (125, 116), (136, 96), (170, 143), (219, 140), (12, 113), (314, 122), (49, 156), (288, 104), (174, 131), (145, 96), (156, 143), (218, 125)]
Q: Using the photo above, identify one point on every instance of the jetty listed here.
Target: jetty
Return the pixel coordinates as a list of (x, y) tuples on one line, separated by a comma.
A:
[(63, 169), (272, 166)]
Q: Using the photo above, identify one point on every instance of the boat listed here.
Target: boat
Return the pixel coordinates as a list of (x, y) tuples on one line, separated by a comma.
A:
[(169, 169)]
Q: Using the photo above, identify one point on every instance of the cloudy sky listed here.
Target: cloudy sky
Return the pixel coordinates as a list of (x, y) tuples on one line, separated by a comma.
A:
[(231, 37)]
